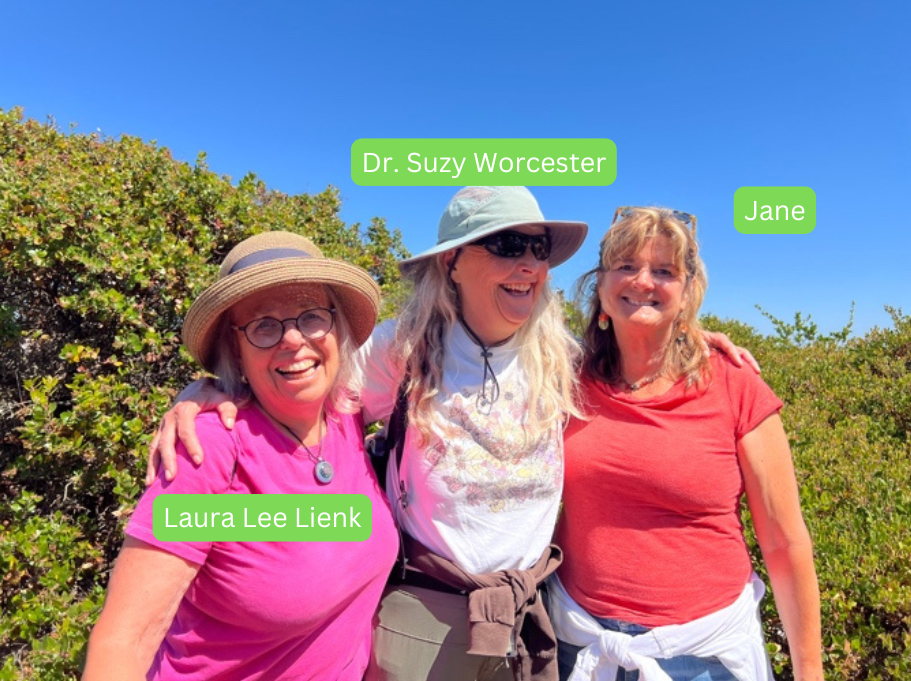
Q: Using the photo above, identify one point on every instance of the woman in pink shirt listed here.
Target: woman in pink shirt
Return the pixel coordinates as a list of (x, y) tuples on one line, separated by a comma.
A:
[(261, 610)]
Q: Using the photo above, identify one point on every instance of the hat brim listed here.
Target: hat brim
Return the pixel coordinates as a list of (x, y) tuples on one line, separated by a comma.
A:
[(566, 239), (357, 293)]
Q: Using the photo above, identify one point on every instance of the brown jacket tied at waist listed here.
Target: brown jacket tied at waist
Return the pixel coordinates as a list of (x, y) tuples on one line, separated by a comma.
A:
[(502, 607)]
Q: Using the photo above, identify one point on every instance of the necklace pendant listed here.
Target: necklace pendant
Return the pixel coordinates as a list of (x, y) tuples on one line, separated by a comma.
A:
[(323, 472), (633, 387)]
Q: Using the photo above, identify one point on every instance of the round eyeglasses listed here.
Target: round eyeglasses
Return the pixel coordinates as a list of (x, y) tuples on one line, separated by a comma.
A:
[(509, 244), (267, 332)]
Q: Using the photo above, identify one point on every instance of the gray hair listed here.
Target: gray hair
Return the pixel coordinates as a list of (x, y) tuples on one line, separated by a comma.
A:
[(230, 378)]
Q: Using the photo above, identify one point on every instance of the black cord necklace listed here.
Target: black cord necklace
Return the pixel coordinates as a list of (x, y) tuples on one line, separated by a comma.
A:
[(484, 400), (322, 470)]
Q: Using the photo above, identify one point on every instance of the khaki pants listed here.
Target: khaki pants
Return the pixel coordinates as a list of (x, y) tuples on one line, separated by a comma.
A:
[(422, 635)]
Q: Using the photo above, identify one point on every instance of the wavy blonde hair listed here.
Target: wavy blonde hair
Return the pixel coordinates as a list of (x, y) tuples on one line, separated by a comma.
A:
[(684, 355), (548, 353)]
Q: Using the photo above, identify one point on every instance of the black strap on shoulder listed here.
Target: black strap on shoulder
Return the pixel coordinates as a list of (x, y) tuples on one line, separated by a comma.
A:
[(398, 422), (394, 437)]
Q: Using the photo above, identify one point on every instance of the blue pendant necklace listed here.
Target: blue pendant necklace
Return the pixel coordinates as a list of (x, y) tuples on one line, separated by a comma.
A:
[(322, 469)]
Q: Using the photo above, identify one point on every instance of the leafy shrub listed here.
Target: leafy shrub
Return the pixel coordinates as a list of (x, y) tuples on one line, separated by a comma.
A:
[(103, 245), (848, 416)]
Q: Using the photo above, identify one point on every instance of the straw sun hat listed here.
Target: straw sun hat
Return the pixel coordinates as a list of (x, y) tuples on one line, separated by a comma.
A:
[(275, 259), (475, 212)]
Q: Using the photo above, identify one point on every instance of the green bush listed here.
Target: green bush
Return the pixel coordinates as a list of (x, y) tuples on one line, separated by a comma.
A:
[(848, 416), (103, 245)]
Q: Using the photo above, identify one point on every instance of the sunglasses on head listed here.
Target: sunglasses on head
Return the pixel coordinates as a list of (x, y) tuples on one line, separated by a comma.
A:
[(510, 244), (686, 219)]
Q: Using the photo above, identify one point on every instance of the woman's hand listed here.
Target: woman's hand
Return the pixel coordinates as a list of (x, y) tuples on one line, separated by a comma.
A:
[(179, 422), (146, 588), (738, 355)]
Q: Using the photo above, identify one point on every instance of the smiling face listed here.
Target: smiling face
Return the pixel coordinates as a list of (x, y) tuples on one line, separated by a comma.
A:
[(645, 291), (292, 379), (497, 294)]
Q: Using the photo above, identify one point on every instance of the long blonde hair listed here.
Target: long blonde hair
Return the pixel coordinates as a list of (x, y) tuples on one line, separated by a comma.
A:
[(626, 237), (547, 352)]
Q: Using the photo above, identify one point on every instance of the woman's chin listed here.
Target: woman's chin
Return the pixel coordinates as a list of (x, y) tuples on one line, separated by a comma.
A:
[(644, 324)]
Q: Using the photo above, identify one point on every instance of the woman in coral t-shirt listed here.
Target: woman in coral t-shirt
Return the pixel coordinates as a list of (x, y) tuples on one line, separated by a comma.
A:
[(657, 576)]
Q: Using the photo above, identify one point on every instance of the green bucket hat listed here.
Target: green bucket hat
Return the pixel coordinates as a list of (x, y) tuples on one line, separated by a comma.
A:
[(475, 212)]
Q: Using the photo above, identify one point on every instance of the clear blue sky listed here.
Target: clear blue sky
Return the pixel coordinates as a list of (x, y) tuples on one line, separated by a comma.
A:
[(700, 98)]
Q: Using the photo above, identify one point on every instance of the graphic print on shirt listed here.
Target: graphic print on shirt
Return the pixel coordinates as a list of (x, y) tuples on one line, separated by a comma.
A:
[(485, 457)]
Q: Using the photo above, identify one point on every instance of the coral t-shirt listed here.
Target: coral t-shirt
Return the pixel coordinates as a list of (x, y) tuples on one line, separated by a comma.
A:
[(651, 525), (273, 610)]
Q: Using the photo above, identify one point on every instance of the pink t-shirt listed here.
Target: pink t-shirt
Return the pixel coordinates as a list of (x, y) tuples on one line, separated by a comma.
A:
[(651, 525), (273, 610)]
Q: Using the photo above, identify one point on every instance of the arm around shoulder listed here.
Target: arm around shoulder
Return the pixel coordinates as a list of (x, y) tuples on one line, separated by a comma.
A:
[(774, 502), (380, 375), (214, 475), (179, 425)]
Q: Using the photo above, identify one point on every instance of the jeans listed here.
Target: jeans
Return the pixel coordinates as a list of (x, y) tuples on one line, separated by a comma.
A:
[(683, 668)]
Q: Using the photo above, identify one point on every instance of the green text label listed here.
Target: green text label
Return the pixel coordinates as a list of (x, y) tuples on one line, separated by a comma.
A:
[(262, 517), (775, 210), (461, 162)]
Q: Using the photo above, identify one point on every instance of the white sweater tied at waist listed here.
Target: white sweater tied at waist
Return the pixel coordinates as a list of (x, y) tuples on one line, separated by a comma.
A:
[(732, 634)]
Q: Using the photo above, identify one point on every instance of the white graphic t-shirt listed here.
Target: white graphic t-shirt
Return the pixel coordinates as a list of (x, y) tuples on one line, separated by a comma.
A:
[(482, 493)]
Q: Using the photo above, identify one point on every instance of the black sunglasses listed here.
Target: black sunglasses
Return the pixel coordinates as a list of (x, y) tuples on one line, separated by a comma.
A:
[(514, 244)]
